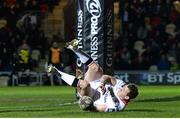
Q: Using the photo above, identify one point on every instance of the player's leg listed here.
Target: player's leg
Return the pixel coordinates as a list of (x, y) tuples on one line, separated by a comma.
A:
[(69, 79), (83, 86), (94, 70), (84, 57), (93, 73)]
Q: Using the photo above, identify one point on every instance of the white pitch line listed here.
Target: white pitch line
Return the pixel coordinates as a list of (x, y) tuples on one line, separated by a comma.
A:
[(38, 106)]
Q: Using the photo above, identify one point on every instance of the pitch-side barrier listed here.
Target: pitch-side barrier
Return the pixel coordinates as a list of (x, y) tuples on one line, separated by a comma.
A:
[(138, 77)]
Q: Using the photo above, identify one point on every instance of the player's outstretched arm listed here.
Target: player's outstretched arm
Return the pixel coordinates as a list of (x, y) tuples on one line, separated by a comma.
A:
[(112, 80)]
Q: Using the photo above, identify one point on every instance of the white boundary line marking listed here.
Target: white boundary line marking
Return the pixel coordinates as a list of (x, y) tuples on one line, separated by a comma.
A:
[(38, 106)]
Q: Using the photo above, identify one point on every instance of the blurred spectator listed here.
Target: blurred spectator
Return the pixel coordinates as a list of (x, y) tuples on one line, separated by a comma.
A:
[(150, 28), (24, 62), (155, 23), (55, 58), (139, 46), (3, 22), (55, 55)]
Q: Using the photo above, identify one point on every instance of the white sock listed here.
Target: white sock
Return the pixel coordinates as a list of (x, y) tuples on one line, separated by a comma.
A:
[(84, 57), (69, 79)]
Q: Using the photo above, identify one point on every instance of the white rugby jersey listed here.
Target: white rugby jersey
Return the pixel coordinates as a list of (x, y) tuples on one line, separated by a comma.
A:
[(106, 97)]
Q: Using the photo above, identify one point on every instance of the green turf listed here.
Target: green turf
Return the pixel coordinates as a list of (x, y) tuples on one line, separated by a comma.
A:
[(153, 101)]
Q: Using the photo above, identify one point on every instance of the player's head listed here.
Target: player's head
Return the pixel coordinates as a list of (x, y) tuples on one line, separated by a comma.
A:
[(129, 91), (133, 90)]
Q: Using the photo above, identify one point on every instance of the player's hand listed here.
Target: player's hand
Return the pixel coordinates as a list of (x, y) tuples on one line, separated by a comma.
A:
[(103, 88)]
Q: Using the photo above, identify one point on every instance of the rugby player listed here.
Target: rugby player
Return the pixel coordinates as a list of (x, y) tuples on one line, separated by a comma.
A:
[(108, 93)]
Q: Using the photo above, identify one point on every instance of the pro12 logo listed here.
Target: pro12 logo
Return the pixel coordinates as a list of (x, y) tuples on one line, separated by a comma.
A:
[(94, 7)]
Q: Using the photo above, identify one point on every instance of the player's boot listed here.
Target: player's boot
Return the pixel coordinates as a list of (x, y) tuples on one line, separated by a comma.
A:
[(72, 45), (49, 68)]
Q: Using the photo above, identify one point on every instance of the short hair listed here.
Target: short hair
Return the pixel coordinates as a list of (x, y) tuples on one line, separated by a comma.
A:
[(133, 90)]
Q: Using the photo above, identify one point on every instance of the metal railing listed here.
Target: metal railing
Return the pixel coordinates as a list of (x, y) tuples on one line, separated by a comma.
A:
[(16, 77)]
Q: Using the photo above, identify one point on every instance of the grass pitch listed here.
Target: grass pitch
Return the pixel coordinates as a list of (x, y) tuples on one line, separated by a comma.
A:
[(59, 101)]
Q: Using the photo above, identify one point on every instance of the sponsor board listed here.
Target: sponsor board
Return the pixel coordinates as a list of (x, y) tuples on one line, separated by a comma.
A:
[(172, 78)]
